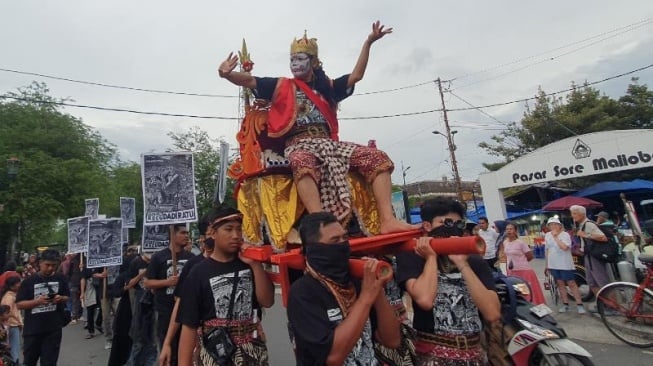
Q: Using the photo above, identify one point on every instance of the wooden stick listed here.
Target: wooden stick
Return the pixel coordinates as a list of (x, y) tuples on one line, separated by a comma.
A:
[(173, 251), (104, 284)]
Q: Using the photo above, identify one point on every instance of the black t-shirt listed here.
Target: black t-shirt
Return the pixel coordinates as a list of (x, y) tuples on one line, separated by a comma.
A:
[(313, 315), (219, 290), (454, 312), (184, 274), (134, 268), (160, 268), (43, 318), (265, 87)]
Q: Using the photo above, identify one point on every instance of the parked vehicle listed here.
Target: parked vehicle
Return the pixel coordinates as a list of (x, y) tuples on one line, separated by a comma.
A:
[(626, 308), (534, 337)]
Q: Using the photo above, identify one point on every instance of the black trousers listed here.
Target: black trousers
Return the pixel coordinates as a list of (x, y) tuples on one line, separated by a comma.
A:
[(163, 320), (42, 346)]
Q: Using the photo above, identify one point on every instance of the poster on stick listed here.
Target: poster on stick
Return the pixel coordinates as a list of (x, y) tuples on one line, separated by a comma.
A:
[(105, 243), (92, 206), (128, 212), (155, 238), (78, 234), (168, 188)]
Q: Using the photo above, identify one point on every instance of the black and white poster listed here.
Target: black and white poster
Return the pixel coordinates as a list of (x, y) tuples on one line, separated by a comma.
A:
[(105, 243), (92, 207), (168, 188), (155, 238), (78, 234), (128, 212)]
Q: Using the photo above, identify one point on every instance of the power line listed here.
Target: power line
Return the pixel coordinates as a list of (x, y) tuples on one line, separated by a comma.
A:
[(480, 110), (540, 62), (342, 118), (28, 100), (621, 30), (117, 86), (625, 29), (554, 93)]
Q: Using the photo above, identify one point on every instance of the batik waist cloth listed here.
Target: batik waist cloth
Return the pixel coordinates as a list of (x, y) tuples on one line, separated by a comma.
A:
[(240, 332), (437, 348)]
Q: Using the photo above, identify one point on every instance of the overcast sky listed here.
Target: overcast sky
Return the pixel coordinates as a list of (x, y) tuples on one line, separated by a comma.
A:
[(495, 51)]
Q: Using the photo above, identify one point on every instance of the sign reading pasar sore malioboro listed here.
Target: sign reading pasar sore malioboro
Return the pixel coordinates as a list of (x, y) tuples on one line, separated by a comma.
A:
[(576, 156)]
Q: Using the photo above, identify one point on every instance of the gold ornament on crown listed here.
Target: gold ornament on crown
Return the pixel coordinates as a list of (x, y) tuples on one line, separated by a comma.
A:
[(305, 45)]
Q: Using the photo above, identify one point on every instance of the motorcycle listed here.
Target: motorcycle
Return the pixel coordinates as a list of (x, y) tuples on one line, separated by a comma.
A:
[(534, 337)]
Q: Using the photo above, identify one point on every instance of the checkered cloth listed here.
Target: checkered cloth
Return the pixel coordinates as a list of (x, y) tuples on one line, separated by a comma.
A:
[(333, 164)]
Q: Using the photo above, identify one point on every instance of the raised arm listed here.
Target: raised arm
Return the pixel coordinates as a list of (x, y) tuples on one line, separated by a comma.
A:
[(359, 70), (226, 71)]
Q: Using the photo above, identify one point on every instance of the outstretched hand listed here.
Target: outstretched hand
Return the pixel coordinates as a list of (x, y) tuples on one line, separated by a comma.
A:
[(228, 65), (378, 32)]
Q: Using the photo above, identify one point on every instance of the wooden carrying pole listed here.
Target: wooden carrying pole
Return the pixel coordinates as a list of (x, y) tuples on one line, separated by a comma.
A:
[(172, 250)]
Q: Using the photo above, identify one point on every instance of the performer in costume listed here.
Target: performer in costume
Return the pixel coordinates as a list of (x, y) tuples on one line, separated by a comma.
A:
[(303, 114)]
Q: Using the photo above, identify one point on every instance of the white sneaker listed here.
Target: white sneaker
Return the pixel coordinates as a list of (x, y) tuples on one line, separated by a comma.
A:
[(107, 345), (563, 309), (580, 309)]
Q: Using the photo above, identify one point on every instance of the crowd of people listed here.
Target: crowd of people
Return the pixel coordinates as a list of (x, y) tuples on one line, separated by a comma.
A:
[(174, 308)]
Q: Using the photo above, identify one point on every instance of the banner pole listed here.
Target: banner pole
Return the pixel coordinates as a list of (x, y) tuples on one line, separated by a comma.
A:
[(172, 250)]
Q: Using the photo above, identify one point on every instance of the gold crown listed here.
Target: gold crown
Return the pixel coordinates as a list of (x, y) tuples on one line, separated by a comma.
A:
[(305, 45)]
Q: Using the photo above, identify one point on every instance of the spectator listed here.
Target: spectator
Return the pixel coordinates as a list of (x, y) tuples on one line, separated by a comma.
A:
[(589, 233), (162, 278), (518, 255), (10, 271), (143, 351), (75, 283), (6, 358), (560, 264), (43, 297), (15, 321), (206, 249), (490, 236), (30, 267)]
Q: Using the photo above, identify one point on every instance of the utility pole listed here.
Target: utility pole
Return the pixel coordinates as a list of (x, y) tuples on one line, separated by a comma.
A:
[(452, 147), (403, 172)]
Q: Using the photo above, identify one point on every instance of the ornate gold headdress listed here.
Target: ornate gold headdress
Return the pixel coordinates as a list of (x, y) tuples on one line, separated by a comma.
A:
[(304, 44)]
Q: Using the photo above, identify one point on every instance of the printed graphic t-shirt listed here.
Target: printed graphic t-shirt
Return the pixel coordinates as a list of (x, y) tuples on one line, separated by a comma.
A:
[(43, 318), (160, 268), (313, 315), (212, 288), (454, 312)]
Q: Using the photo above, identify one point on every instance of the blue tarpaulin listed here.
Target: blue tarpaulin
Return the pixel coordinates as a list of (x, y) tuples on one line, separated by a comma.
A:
[(615, 187)]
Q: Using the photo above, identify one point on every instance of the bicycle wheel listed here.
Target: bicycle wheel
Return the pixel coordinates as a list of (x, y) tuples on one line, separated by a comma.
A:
[(553, 289), (584, 289), (615, 302)]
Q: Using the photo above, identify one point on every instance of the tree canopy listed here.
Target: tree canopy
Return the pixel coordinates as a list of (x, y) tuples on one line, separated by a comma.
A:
[(582, 111), (64, 161)]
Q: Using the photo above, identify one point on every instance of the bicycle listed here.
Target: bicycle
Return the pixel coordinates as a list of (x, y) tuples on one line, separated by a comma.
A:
[(579, 276), (627, 308)]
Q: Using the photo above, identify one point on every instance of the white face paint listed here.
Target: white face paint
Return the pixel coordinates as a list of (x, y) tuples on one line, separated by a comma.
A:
[(300, 65)]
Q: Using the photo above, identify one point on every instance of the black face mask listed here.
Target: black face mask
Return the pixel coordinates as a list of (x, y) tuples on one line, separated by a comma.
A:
[(330, 260), (445, 232)]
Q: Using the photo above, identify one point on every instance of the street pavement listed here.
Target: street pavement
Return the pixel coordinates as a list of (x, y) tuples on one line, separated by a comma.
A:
[(587, 330)]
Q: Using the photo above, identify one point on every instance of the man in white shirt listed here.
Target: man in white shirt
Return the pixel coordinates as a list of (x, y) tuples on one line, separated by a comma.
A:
[(490, 236)]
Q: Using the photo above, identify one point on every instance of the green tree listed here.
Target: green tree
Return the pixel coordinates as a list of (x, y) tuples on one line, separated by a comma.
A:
[(206, 157), (63, 161), (582, 111)]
